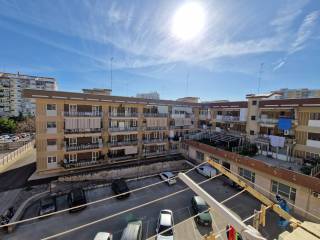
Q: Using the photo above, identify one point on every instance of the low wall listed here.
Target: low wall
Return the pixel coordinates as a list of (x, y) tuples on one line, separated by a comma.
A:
[(129, 172)]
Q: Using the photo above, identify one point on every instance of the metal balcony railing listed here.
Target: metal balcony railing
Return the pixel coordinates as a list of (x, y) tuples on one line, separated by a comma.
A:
[(227, 118), (155, 114), (154, 140), (268, 120), (66, 164), (82, 114), (155, 128), (122, 143), (86, 130), (125, 129), (83, 147), (123, 114)]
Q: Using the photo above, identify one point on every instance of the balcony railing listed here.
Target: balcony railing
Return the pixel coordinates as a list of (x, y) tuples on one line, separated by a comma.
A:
[(155, 114), (182, 127), (268, 120), (157, 153), (83, 147), (155, 128), (87, 130), (125, 129), (123, 114), (122, 143), (122, 157), (154, 140), (226, 118), (82, 163), (82, 114)]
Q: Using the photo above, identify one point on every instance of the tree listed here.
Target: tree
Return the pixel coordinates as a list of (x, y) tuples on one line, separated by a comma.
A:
[(27, 125), (7, 125)]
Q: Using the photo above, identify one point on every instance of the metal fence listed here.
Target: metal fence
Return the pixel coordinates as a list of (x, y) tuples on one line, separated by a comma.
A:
[(11, 156)]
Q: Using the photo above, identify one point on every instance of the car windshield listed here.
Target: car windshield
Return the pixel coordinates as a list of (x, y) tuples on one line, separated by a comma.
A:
[(203, 208), (163, 232)]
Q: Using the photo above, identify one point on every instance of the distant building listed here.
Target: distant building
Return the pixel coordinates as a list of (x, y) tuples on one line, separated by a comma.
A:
[(98, 91), (286, 93), (189, 99), (150, 95), (11, 85)]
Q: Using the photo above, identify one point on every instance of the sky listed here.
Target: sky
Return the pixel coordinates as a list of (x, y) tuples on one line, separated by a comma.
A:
[(75, 41)]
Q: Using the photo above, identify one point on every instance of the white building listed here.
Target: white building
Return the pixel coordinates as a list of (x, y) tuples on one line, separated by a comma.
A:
[(150, 95), (11, 86)]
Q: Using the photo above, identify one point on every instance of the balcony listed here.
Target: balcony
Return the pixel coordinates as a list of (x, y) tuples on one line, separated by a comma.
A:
[(123, 114), (122, 157), (226, 118), (123, 129), (156, 128), (204, 116), (81, 147), (82, 114), (122, 143), (155, 140), (82, 131), (66, 164), (155, 114)]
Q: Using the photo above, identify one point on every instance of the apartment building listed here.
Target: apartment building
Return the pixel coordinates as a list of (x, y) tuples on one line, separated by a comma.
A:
[(75, 130), (12, 102), (88, 129), (286, 93)]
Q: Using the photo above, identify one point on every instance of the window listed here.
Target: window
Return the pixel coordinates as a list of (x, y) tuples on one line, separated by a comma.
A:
[(283, 190), (51, 159), (314, 136), (253, 118), (219, 113), (314, 116), (51, 142), (254, 102), (51, 125), (251, 132), (72, 141), (247, 174), (94, 156), (200, 155), (95, 139), (72, 157), (72, 108), (52, 107)]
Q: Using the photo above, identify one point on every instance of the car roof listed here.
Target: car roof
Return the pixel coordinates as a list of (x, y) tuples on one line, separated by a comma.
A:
[(131, 231), (166, 218), (199, 200), (169, 174), (102, 236)]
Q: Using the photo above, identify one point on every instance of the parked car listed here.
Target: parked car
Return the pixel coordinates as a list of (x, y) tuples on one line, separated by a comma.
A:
[(165, 225), (206, 171), (47, 205), (103, 236), (119, 186), (133, 231), (168, 177), (77, 197), (15, 138), (200, 206), (229, 182)]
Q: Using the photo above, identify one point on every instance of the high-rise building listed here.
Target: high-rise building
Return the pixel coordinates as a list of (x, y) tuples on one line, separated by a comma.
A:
[(11, 85)]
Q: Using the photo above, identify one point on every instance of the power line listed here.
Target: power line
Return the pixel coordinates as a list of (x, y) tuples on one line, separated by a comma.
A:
[(93, 202), (124, 211)]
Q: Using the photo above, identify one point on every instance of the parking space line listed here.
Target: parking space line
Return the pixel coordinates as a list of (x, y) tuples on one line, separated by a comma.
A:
[(192, 222)]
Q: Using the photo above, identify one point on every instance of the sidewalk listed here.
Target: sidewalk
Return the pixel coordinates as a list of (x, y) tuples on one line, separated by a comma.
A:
[(24, 159)]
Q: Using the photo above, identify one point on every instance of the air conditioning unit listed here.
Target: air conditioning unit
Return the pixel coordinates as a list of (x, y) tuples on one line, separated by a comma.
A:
[(316, 194), (286, 132)]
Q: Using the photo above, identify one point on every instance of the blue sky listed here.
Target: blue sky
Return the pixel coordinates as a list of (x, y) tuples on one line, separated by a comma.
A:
[(73, 41)]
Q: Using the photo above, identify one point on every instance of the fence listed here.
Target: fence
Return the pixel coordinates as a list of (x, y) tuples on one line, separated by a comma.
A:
[(11, 156)]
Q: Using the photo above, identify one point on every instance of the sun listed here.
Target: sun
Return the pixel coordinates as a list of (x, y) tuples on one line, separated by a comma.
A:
[(188, 21)]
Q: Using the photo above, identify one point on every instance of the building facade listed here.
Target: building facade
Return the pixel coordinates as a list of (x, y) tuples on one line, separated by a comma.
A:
[(78, 130), (12, 102)]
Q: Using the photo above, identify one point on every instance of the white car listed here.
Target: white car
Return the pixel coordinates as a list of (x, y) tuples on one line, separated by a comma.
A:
[(165, 225), (103, 236), (206, 171), (168, 177)]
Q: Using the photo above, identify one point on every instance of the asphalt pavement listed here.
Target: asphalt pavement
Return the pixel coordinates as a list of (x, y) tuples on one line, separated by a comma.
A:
[(243, 205)]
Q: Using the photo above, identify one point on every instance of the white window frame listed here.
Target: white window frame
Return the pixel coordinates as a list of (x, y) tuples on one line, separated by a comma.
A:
[(244, 173), (73, 108), (292, 191), (73, 158), (73, 141), (52, 104), (52, 161)]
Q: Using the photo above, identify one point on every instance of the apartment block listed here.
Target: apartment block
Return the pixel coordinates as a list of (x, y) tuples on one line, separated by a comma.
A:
[(12, 102), (78, 130), (82, 129)]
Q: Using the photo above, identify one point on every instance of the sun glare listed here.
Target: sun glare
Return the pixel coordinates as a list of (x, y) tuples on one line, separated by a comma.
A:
[(188, 21)]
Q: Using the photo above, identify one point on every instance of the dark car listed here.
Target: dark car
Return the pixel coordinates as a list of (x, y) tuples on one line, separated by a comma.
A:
[(77, 197), (200, 207), (47, 205), (119, 186), (229, 182)]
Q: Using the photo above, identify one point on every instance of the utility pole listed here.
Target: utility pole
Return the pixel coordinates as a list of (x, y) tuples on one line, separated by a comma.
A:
[(260, 76), (111, 59)]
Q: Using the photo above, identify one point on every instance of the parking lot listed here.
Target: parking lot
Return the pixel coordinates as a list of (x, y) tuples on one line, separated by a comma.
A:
[(243, 205)]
